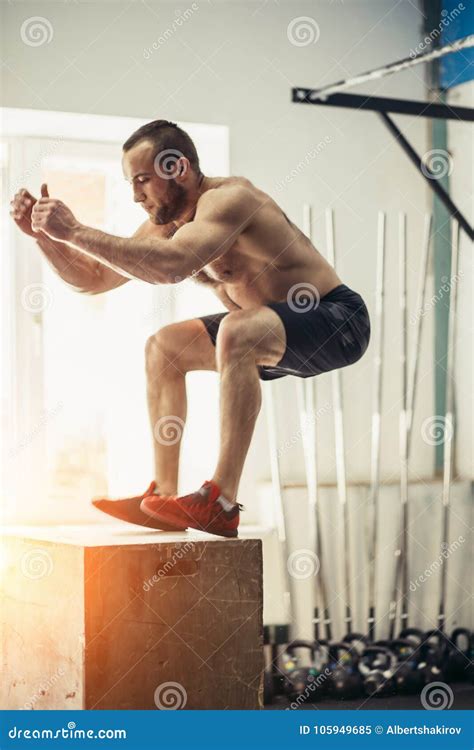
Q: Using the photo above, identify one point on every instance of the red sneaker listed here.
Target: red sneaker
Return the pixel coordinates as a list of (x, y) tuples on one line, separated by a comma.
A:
[(128, 509), (206, 510)]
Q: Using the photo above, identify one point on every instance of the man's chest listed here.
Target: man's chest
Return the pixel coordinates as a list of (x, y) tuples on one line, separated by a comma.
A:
[(233, 267)]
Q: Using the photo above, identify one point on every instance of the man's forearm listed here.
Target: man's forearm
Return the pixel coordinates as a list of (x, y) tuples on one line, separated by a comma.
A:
[(153, 260), (70, 264)]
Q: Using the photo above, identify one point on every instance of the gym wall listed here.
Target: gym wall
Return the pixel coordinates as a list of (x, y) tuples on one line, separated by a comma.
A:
[(199, 74)]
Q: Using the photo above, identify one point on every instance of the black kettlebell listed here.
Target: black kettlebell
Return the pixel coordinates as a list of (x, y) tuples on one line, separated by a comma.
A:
[(377, 665), (304, 683), (344, 678), (412, 634), (357, 640), (409, 677), (458, 656), (383, 642), (274, 638), (433, 655)]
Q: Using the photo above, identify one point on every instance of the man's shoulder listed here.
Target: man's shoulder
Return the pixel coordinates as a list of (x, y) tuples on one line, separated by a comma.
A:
[(229, 195)]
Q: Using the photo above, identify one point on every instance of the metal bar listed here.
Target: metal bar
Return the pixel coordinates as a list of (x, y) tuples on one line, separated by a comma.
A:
[(404, 490), (428, 175), (278, 495), (376, 418), (306, 398), (339, 445), (395, 67), (301, 95), (419, 310), (309, 445), (441, 270), (401, 568), (449, 419)]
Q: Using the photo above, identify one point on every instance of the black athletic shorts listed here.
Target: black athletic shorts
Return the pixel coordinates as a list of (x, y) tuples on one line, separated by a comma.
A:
[(332, 333)]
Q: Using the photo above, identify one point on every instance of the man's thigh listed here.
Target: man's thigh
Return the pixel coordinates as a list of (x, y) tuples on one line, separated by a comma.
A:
[(258, 331), (187, 346)]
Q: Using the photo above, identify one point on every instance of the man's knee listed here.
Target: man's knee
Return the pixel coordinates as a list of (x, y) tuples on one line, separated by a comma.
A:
[(159, 348), (234, 337)]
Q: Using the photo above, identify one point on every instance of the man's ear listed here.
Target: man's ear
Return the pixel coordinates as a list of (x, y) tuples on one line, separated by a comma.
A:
[(183, 167)]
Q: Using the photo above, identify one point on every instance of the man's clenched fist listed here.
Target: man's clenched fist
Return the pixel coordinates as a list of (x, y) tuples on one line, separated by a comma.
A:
[(21, 208), (53, 217)]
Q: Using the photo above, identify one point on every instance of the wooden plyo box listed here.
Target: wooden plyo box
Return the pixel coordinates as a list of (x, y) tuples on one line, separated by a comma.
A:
[(111, 618)]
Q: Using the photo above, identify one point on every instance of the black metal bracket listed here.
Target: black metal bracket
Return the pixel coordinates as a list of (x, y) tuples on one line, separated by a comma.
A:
[(430, 177), (384, 105)]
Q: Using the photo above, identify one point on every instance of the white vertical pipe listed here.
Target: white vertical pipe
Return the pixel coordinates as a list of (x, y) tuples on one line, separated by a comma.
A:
[(376, 416), (339, 445), (449, 415), (419, 310)]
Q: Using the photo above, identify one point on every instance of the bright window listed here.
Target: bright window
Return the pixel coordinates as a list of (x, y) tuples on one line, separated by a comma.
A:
[(74, 399)]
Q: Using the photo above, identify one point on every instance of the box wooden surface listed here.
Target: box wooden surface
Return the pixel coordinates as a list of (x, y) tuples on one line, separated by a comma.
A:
[(111, 618)]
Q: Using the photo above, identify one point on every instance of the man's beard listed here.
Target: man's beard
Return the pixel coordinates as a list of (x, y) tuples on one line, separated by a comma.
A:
[(175, 204)]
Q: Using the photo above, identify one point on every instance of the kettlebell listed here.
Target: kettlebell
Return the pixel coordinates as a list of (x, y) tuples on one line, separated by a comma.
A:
[(357, 640), (274, 638), (412, 634), (433, 655), (304, 682), (377, 665), (458, 656), (344, 679), (409, 677)]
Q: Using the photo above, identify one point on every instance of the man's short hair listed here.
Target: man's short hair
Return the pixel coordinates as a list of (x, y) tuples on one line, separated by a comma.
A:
[(165, 135)]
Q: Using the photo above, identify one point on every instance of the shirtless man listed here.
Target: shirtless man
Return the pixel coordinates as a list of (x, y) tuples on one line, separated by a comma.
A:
[(289, 313)]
